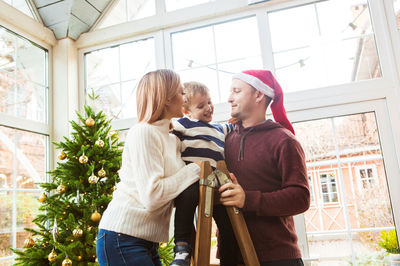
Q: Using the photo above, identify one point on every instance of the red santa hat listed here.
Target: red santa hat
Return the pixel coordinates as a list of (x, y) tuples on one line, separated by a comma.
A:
[(264, 81)]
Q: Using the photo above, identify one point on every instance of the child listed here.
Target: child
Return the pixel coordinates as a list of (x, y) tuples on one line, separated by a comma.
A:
[(200, 141)]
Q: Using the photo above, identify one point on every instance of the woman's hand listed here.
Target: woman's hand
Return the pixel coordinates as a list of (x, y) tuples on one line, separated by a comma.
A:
[(232, 194)]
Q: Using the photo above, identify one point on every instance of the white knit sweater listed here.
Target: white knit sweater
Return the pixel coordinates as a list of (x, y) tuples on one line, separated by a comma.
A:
[(152, 175)]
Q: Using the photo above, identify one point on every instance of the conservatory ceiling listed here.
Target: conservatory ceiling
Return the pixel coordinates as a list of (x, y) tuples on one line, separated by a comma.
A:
[(70, 18)]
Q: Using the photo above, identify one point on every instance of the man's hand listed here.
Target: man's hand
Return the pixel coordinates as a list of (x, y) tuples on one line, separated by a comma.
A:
[(232, 194)]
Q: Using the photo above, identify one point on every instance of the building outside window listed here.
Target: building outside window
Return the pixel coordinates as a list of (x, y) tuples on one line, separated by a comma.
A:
[(367, 176), (329, 187)]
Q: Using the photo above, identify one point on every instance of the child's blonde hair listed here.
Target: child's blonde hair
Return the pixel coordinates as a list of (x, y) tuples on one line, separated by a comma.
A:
[(190, 89), (153, 90)]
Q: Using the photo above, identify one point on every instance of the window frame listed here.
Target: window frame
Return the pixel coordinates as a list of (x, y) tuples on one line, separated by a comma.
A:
[(380, 107), (18, 123)]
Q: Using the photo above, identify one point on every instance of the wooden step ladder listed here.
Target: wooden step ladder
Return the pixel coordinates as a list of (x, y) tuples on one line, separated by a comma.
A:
[(204, 220)]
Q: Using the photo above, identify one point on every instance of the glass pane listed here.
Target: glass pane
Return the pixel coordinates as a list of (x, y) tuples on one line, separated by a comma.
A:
[(5, 223), (22, 98), (27, 210), (352, 221), (23, 77), (128, 10), (177, 4), (109, 100), (7, 137), (128, 90), (137, 58), (193, 48), (21, 5), (330, 43), (118, 15), (300, 33), (30, 101), (31, 62), (102, 67), (31, 156), (207, 76), (140, 9), (229, 46), (8, 44), (118, 70), (350, 17), (7, 97)]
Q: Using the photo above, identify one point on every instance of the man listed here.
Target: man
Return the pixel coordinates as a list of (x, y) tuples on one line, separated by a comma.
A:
[(269, 165)]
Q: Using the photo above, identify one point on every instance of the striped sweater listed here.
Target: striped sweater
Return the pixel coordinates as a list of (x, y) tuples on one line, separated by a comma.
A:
[(201, 141)]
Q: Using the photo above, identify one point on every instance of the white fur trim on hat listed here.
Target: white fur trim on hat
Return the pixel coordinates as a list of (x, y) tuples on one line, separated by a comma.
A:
[(256, 83)]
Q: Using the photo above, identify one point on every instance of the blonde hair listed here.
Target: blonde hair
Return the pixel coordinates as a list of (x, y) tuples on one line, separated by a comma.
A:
[(190, 89), (153, 90)]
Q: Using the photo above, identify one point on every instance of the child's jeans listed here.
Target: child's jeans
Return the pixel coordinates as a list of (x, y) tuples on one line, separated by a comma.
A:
[(186, 204), (115, 249)]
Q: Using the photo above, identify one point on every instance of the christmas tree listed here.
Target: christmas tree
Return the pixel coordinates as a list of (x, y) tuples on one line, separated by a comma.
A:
[(74, 200)]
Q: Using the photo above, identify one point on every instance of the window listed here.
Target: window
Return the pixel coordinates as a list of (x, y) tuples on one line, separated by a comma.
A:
[(128, 10), (341, 151), (112, 73), (328, 188), (178, 4), (211, 54), (23, 78), (367, 175), (21, 5), (23, 152), (322, 44)]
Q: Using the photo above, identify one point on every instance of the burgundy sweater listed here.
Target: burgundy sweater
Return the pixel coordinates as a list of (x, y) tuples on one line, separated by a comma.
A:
[(273, 174)]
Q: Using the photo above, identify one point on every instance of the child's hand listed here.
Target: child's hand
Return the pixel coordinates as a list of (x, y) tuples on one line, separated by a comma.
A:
[(233, 120)]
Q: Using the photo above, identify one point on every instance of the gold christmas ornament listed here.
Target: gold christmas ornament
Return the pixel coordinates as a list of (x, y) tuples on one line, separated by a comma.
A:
[(62, 155), (43, 197), (67, 262), (83, 159), (77, 232), (61, 189), (93, 179), (95, 217), (99, 143), (89, 122), (79, 258), (52, 256), (28, 243), (112, 133), (101, 173)]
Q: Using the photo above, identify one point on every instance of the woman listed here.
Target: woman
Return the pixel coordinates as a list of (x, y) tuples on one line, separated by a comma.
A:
[(152, 175)]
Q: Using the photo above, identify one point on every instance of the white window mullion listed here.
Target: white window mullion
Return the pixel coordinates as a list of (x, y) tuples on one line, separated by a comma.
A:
[(265, 40), (342, 191), (14, 193), (160, 46), (169, 58)]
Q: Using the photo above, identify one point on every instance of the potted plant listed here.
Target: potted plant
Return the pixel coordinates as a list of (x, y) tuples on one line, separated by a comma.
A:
[(390, 244)]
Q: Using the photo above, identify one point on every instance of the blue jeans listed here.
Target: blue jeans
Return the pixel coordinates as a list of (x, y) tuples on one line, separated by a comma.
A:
[(116, 249)]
